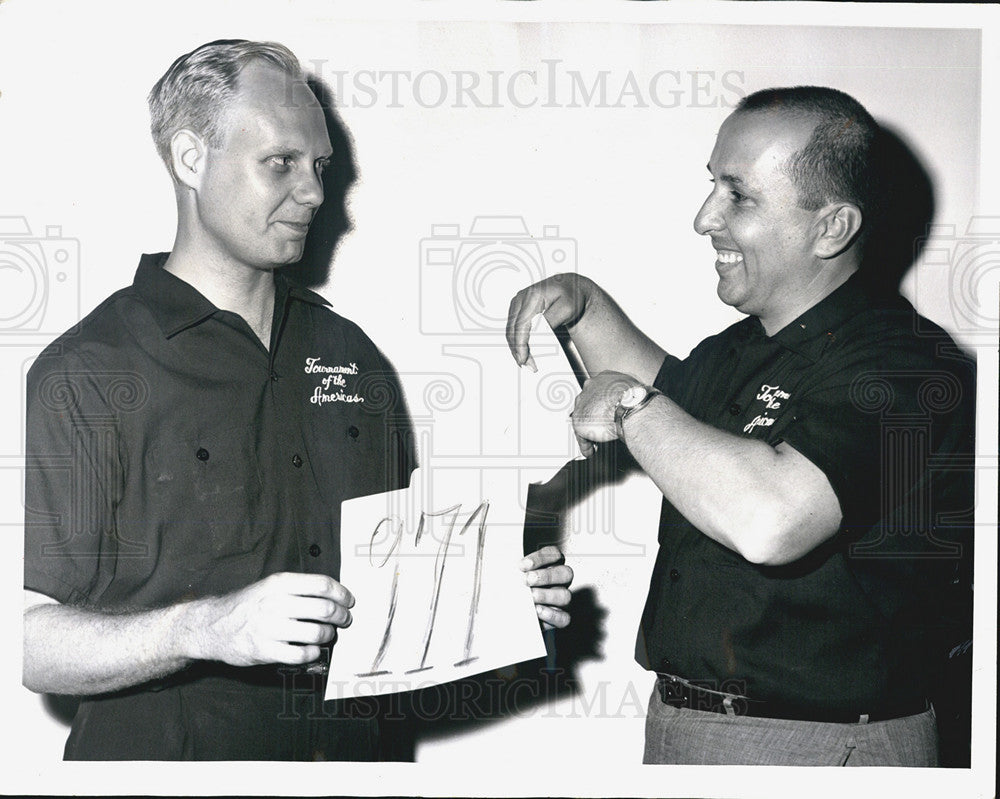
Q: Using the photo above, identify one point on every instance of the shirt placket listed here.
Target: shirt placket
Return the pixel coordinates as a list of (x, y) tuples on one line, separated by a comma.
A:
[(292, 453)]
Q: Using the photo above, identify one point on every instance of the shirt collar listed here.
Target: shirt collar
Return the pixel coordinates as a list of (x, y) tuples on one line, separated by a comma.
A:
[(297, 292), (176, 305), (819, 326)]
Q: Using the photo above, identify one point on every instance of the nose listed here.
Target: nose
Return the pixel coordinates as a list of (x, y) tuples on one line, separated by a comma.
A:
[(309, 190), (708, 218)]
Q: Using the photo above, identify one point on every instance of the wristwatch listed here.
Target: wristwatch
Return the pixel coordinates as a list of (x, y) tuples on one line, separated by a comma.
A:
[(632, 400)]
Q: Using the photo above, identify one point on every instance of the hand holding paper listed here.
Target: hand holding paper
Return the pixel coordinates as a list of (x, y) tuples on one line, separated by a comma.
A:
[(549, 579), (433, 569)]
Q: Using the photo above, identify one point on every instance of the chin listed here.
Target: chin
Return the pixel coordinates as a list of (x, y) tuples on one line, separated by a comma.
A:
[(730, 295), (288, 256)]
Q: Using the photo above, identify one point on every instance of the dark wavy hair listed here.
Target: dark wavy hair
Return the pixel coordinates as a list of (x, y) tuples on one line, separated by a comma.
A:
[(837, 161)]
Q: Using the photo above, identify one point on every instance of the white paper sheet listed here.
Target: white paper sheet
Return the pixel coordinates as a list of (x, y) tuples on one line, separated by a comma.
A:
[(434, 571)]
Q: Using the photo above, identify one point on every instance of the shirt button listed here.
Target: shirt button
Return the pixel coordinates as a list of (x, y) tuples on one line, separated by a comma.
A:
[(735, 409), (201, 454), (315, 551), (353, 432), (674, 575), (296, 461)]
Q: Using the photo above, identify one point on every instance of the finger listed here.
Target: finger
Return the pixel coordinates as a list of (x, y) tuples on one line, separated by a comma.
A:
[(307, 632), (318, 609), (293, 654), (317, 585), (552, 616), (545, 556), (524, 307), (554, 597), (587, 448), (518, 347), (554, 575)]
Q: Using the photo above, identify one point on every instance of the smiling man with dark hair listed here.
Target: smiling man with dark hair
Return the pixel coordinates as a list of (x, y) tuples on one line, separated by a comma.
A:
[(814, 460)]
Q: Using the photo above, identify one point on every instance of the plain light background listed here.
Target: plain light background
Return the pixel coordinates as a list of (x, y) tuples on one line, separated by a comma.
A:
[(605, 184)]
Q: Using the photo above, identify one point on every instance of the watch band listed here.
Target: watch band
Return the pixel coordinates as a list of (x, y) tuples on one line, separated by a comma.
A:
[(622, 412)]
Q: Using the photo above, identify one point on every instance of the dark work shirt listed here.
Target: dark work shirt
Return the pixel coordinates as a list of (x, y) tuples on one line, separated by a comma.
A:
[(884, 407), (172, 456)]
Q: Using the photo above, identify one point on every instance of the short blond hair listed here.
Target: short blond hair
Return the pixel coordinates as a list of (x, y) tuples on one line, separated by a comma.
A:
[(195, 92)]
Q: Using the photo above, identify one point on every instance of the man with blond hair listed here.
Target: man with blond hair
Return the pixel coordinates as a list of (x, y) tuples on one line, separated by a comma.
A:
[(183, 492)]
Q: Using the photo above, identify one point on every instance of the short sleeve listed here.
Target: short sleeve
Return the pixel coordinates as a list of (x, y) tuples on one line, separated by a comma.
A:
[(886, 431), (72, 478), (402, 440), (682, 379), (670, 377), (387, 402)]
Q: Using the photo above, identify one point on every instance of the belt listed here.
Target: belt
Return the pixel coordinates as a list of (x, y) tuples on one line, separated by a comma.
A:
[(678, 692)]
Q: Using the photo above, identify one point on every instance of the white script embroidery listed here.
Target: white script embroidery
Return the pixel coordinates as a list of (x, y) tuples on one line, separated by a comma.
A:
[(333, 385), (313, 366), (759, 421), (772, 397)]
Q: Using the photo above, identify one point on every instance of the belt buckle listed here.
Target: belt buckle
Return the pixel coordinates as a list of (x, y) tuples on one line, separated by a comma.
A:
[(671, 690)]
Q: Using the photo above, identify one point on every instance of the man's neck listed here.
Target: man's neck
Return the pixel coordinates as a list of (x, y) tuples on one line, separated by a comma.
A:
[(232, 287), (818, 290)]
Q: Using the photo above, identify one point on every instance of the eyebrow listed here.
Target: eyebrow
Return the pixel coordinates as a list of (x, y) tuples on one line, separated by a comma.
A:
[(298, 153), (735, 180)]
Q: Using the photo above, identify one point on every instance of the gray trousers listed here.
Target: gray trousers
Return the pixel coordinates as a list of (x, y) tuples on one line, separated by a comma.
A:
[(700, 737)]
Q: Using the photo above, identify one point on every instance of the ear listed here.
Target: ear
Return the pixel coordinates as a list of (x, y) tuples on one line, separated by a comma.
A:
[(838, 226), (187, 157)]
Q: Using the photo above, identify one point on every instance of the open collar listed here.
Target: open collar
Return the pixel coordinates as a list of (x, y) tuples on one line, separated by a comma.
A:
[(177, 305)]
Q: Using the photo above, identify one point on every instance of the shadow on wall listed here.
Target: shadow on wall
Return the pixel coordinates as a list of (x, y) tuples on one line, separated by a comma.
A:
[(331, 221), (61, 708), (901, 222), (465, 706)]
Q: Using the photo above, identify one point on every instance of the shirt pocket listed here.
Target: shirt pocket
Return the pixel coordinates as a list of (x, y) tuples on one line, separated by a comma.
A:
[(206, 494)]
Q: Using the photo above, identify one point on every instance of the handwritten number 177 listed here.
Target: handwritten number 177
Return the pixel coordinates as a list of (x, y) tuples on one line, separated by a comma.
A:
[(395, 526)]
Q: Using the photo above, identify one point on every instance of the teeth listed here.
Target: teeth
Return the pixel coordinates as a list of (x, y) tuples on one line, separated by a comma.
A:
[(728, 257)]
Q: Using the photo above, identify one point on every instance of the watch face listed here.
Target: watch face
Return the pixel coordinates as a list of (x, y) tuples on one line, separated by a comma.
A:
[(633, 396)]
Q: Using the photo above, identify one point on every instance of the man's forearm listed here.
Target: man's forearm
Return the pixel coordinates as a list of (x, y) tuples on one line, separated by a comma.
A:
[(72, 651), (283, 618), (770, 504), (607, 339)]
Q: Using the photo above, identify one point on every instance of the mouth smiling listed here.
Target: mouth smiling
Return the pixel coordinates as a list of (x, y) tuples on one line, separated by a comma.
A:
[(728, 257), (298, 227)]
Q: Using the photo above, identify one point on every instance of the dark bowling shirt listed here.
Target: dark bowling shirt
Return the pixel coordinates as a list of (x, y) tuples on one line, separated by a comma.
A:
[(882, 402), (171, 457)]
